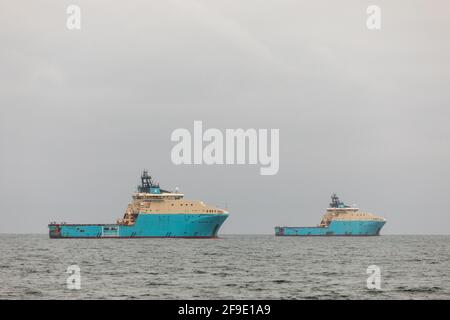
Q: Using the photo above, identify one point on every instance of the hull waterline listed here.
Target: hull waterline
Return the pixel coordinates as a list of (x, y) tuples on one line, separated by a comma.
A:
[(146, 226)]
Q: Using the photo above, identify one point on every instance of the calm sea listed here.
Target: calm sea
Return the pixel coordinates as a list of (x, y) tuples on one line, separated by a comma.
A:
[(231, 267)]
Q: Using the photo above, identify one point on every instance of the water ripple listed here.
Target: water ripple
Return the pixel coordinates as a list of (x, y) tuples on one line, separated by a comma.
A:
[(232, 267)]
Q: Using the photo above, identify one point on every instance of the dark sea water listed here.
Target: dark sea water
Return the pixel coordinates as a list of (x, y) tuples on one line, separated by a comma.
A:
[(231, 267)]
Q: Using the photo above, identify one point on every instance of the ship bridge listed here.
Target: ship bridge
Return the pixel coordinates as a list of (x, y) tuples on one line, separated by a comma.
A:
[(157, 196), (148, 190), (337, 205)]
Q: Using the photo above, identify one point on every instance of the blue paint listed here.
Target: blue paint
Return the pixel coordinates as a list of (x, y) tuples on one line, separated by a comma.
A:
[(155, 190), (335, 228), (146, 225)]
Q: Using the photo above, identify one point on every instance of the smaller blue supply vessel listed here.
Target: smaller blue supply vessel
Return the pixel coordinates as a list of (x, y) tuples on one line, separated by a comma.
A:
[(339, 220), (152, 213)]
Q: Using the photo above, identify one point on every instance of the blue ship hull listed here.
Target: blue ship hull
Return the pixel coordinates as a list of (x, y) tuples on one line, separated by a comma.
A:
[(146, 226), (335, 228)]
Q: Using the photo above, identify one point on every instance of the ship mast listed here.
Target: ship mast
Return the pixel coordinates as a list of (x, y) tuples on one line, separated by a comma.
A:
[(146, 183), (336, 203)]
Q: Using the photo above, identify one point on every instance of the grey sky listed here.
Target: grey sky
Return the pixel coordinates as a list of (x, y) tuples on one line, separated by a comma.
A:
[(362, 113)]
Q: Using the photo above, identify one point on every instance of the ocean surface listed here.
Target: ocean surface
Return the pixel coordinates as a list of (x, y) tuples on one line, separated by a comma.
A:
[(230, 267)]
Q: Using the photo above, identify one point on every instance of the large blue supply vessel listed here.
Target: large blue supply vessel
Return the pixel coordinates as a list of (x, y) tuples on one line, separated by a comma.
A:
[(153, 212), (339, 220)]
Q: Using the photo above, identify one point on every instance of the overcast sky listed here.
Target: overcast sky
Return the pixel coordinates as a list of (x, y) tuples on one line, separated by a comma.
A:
[(362, 113)]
